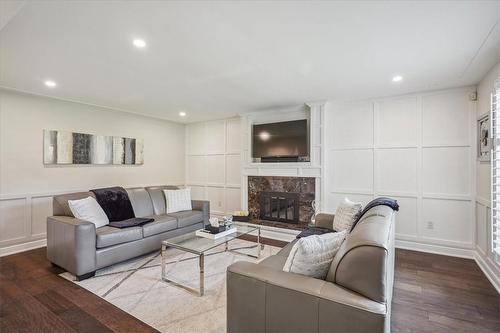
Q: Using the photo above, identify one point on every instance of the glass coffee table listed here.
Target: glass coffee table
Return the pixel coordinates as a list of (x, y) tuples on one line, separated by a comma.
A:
[(200, 246)]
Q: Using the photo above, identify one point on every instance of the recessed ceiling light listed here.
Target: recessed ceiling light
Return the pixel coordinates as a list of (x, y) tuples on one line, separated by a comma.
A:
[(397, 78), (50, 83), (139, 43), (182, 114)]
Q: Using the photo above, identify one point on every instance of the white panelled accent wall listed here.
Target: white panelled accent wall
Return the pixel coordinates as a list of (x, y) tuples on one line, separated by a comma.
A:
[(213, 163), (417, 149)]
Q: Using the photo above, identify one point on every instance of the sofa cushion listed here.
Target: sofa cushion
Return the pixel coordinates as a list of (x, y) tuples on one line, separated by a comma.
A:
[(141, 201), (162, 223), (187, 217), (107, 236)]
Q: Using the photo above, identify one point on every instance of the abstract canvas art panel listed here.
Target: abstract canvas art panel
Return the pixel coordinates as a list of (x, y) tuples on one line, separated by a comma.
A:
[(62, 147)]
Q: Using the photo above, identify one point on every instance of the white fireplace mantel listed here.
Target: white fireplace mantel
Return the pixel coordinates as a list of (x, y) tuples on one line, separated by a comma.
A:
[(315, 168)]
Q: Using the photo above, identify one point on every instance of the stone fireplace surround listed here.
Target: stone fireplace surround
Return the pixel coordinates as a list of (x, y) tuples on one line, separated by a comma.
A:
[(304, 186)]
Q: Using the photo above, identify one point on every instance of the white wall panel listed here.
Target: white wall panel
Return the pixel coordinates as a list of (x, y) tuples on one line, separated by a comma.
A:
[(12, 219), (233, 138), (397, 170), (197, 192), (215, 137), (446, 170), (196, 169), (451, 220), (196, 138), (216, 196), (352, 170), (445, 118), (481, 227), (352, 125), (214, 167), (397, 122), (406, 218), (233, 169), (40, 208), (483, 180), (233, 199)]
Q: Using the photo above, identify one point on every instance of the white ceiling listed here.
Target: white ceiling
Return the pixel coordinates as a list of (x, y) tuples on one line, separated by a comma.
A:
[(218, 59)]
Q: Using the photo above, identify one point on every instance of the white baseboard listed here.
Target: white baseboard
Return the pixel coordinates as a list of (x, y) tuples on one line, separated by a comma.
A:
[(5, 251), (436, 249), (489, 269)]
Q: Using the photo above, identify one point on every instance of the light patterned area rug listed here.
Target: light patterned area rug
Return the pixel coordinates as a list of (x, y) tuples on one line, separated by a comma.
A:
[(135, 286)]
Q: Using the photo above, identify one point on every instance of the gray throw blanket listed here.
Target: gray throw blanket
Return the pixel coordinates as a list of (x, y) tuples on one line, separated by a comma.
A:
[(115, 203), (133, 222)]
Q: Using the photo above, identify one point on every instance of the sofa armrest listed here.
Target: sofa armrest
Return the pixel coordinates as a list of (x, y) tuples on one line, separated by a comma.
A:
[(71, 244), (261, 298), (204, 206), (324, 220)]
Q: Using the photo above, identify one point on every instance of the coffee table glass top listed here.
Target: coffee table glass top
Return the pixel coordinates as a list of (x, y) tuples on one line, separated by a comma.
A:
[(195, 244)]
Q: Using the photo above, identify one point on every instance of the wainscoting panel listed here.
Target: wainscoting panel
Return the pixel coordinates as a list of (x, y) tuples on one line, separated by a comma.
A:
[(14, 223), (450, 220), (233, 167), (41, 207), (215, 169), (446, 118), (352, 169), (447, 170), (196, 169), (389, 163), (406, 224), (397, 122), (353, 127), (216, 196)]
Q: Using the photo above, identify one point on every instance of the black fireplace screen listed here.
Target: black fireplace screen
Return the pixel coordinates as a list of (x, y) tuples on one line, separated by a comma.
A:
[(279, 206)]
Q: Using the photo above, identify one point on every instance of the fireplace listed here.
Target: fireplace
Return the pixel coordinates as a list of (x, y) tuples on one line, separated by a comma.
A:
[(281, 201), (279, 206)]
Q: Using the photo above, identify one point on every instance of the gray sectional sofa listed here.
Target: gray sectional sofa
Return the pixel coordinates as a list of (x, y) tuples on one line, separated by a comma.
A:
[(355, 296), (81, 249)]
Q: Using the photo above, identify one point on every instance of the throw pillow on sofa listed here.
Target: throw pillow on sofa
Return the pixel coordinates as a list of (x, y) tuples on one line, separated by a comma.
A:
[(313, 255), (178, 200), (346, 214), (88, 210)]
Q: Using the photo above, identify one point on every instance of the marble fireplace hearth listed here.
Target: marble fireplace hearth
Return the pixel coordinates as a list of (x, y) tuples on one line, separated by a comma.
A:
[(303, 186)]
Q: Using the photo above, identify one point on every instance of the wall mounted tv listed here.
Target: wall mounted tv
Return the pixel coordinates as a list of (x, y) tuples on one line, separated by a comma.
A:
[(286, 141)]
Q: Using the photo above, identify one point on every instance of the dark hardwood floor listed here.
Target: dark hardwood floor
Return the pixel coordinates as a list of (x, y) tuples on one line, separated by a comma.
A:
[(432, 293)]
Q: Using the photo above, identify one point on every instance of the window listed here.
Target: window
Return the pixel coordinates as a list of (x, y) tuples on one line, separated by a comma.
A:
[(495, 171)]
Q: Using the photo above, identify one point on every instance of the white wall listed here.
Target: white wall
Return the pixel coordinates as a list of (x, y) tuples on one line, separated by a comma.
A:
[(483, 186), (213, 163), (27, 186), (417, 149)]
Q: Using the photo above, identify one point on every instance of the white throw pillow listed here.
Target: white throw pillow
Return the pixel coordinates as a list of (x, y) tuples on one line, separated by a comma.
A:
[(346, 214), (313, 255), (88, 210), (178, 200)]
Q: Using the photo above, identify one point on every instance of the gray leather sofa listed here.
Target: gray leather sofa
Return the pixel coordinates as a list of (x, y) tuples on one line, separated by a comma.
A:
[(355, 297), (81, 249)]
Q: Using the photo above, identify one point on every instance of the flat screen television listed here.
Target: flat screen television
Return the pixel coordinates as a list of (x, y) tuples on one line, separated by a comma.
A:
[(286, 141)]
